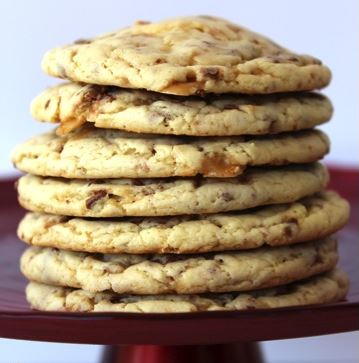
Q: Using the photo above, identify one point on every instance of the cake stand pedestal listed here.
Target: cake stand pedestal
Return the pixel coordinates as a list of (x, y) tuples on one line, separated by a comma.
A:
[(216, 353)]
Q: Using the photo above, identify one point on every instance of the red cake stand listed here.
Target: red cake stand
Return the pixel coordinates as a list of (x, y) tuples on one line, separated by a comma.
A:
[(173, 338)]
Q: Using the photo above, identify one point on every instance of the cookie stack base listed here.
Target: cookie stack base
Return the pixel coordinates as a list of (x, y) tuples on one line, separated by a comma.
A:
[(326, 288)]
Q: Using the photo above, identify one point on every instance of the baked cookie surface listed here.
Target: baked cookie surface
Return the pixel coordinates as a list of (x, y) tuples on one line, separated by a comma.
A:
[(178, 274), (175, 196), (325, 288), (73, 104), (310, 218), (185, 56), (90, 152)]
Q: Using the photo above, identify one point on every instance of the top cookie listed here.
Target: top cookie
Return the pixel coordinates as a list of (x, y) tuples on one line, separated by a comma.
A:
[(186, 56)]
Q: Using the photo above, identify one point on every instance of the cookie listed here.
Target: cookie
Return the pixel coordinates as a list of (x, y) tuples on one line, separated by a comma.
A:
[(308, 219), (161, 197), (96, 153), (322, 289), (186, 56), (179, 274), (73, 104)]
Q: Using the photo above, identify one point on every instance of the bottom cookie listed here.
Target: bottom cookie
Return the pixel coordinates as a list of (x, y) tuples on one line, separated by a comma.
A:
[(326, 288)]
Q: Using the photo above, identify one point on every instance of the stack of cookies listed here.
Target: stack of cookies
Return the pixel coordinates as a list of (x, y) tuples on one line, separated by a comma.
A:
[(183, 175)]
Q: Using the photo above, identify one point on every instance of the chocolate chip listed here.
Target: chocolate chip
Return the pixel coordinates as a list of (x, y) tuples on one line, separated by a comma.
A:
[(53, 222), (211, 72), (109, 93), (96, 195), (164, 116), (159, 61), (227, 197), (97, 256), (148, 191), (98, 93), (115, 299), (91, 95), (114, 197), (95, 93), (82, 41), (137, 182)]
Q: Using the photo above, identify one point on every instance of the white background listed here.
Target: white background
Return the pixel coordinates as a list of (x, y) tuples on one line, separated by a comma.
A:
[(327, 29)]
